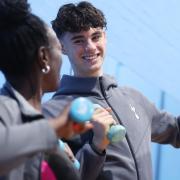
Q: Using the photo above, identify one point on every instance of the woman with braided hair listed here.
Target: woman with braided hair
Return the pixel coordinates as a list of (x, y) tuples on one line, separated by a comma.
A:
[(30, 59)]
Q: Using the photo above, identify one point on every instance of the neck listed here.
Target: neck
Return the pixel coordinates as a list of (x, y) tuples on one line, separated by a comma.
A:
[(29, 90), (92, 74)]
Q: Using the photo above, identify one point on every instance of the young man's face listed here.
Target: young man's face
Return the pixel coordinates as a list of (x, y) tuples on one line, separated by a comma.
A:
[(85, 51)]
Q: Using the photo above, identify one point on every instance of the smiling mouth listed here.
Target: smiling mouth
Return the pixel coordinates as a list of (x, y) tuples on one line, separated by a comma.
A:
[(91, 58)]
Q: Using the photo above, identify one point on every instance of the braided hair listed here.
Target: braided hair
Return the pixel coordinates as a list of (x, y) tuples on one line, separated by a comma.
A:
[(21, 35)]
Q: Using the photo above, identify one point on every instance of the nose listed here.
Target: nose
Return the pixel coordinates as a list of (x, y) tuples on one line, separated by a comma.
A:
[(90, 45)]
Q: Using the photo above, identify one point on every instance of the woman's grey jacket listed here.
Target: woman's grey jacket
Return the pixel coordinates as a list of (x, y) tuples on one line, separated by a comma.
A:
[(24, 133)]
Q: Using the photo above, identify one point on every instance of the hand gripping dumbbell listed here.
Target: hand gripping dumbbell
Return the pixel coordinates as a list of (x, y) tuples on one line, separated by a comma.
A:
[(82, 110)]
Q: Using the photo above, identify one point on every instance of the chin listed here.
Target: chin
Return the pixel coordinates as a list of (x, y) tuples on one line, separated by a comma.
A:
[(96, 71)]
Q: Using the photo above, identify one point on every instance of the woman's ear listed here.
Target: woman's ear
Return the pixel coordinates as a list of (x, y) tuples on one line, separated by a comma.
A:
[(43, 57)]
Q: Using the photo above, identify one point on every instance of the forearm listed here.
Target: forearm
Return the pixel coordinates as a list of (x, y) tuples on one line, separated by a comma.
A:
[(19, 142), (91, 162), (166, 129)]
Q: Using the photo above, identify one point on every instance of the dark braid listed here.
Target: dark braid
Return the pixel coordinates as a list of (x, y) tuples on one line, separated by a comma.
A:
[(21, 35)]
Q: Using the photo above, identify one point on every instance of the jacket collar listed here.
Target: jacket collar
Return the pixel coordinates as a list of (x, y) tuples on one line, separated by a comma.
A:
[(25, 107), (86, 86)]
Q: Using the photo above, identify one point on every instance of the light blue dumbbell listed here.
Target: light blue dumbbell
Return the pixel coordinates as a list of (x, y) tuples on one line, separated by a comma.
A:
[(82, 110), (62, 147)]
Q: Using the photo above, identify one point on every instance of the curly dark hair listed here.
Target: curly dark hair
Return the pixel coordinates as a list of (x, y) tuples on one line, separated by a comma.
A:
[(78, 17), (21, 35)]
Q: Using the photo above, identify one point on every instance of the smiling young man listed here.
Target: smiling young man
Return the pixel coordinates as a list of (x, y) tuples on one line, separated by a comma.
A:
[(85, 51), (81, 31)]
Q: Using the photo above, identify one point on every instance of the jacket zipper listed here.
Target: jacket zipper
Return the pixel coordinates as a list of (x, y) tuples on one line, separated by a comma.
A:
[(128, 141)]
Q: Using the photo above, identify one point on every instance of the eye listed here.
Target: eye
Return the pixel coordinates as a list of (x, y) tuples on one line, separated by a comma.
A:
[(96, 37), (78, 41)]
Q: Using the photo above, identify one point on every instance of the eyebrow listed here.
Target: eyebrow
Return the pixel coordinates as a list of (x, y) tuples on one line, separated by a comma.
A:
[(81, 36), (77, 37)]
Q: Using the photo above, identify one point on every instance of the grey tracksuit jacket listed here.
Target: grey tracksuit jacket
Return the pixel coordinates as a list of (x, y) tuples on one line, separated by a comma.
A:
[(129, 159), (21, 141), (24, 137)]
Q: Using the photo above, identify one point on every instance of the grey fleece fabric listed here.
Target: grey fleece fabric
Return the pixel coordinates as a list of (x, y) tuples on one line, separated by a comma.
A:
[(129, 159), (20, 141)]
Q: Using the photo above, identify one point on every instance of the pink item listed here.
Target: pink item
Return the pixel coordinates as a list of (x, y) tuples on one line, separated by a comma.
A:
[(46, 172)]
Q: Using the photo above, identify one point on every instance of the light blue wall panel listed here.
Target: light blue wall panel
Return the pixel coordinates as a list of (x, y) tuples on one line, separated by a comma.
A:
[(143, 52)]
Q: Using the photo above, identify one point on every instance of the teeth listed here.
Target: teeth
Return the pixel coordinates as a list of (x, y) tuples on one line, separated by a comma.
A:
[(90, 57)]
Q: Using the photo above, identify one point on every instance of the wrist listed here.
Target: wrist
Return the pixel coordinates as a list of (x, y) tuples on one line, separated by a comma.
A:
[(100, 143), (97, 150)]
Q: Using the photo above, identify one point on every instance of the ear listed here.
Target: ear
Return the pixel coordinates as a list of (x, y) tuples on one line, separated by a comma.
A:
[(104, 33), (63, 47), (63, 50), (43, 57)]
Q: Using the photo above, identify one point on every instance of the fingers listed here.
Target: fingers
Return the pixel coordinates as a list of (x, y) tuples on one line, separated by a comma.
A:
[(108, 109), (102, 114), (81, 128), (102, 120), (99, 110), (62, 125), (63, 116), (61, 119)]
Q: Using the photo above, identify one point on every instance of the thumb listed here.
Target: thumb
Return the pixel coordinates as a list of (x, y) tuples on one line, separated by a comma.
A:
[(79, 128), (61, 119), (63, 116)]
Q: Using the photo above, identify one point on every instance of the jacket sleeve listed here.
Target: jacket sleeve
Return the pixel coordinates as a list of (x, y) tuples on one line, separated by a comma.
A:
[(91, 162), (165, 128), (19, 142)]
